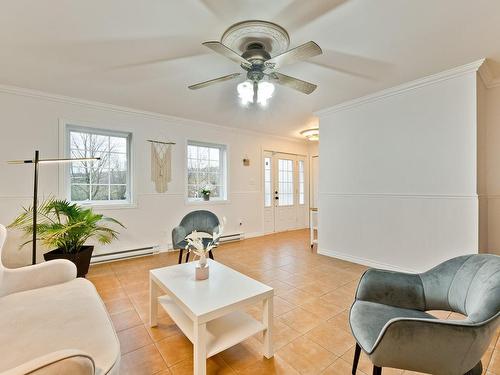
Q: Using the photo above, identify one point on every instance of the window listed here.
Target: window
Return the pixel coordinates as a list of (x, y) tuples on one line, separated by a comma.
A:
[(301, 182), (206, 168), (102, 181), (267, 182), (285, 182)]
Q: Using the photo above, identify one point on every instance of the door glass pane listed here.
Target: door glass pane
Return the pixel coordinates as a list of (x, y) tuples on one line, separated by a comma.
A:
[(267, 182), (285, 182), (301, 182)]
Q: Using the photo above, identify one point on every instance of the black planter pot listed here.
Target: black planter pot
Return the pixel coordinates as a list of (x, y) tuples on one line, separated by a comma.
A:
[(206, 197), (81, 258)]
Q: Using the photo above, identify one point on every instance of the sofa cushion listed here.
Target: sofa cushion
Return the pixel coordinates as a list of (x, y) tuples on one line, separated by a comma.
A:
[(367, 319), (64, 316)]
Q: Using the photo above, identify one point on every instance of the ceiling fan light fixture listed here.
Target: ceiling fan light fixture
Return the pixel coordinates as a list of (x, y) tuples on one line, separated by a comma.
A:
[(245, 92), (247, 95), (264, 92), (311, 134)]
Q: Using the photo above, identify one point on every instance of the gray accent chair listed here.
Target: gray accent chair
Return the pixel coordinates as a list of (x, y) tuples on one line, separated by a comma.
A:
[(200, 221), (389, 321)]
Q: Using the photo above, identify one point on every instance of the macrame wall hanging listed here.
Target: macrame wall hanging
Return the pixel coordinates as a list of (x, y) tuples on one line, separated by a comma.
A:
[(161, 164)]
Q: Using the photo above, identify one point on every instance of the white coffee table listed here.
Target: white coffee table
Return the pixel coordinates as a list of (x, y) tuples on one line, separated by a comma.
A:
[(209, 311)]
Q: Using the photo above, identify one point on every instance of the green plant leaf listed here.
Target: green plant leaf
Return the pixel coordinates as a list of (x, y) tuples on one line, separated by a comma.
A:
[(66, 225)]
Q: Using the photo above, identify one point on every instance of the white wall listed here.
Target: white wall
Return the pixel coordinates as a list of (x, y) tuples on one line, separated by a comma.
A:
[(398, 174), (30, 121)]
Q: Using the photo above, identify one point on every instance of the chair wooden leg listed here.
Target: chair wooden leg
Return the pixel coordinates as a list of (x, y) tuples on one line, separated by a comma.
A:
[(187, 256), (180, 255), (377, 370), (355, 362), (210, 255)]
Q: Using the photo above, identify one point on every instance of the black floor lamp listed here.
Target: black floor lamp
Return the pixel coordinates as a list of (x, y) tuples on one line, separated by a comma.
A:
[(36, 162)]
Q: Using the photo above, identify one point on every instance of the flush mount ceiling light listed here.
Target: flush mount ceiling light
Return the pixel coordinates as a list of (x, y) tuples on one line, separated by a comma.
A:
[(311, 134), (260, 48)]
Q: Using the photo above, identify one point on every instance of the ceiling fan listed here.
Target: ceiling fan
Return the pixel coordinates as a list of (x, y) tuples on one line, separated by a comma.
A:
[(257, 40)]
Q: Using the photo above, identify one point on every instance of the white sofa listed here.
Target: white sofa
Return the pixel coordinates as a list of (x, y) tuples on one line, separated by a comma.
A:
[(53, 323)]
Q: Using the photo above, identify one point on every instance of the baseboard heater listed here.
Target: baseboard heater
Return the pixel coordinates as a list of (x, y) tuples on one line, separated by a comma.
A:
[(117, 255), (150, 250)]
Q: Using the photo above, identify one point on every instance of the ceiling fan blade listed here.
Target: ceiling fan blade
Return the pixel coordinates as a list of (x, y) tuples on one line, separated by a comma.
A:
[(221, 49), (293, 83), (212, 81), (302, 52)]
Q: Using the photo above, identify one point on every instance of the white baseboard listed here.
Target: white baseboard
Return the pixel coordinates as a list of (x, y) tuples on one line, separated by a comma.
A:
[(363, 261)]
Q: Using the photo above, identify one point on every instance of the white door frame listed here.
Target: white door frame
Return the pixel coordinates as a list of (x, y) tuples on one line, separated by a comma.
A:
[(297, 215)]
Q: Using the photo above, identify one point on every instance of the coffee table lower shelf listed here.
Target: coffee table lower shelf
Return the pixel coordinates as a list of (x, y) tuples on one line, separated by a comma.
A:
[(222, 333)]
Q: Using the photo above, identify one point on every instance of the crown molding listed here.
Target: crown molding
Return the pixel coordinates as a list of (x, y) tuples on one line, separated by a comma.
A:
[(412, 85), (487, 76), (14, 90)]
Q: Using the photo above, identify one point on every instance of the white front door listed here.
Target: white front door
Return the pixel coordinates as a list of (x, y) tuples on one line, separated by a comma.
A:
[(285, 192)]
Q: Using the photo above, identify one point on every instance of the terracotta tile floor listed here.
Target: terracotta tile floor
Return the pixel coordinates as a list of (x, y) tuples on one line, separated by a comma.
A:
[(311, 332)]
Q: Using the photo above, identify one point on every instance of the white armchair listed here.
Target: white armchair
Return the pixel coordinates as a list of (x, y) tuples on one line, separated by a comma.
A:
[(32, 277), (53, 322)]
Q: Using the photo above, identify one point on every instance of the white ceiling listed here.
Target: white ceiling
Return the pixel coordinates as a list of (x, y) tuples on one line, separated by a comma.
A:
[(143, 54)]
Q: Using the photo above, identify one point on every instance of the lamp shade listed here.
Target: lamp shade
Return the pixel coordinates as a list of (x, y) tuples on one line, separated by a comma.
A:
[(265, 92), (245, 92)]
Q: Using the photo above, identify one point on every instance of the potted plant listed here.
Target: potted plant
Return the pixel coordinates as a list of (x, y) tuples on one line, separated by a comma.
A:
[(205, 192), (65, 227)]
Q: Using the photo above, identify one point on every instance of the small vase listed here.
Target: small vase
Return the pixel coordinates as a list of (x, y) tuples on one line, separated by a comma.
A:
[(206, 197), (202, 268), (203, 261)]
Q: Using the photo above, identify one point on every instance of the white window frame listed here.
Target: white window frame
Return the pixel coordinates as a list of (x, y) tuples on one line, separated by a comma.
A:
[(66, 128), (224, 165)]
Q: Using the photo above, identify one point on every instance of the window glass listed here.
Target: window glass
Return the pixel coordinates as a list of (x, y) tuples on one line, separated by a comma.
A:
[(104, 180), (206, 168), (301, 182)]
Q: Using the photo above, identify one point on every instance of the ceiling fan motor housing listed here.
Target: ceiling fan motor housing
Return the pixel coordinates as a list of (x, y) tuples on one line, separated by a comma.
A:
[(257, 55)]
